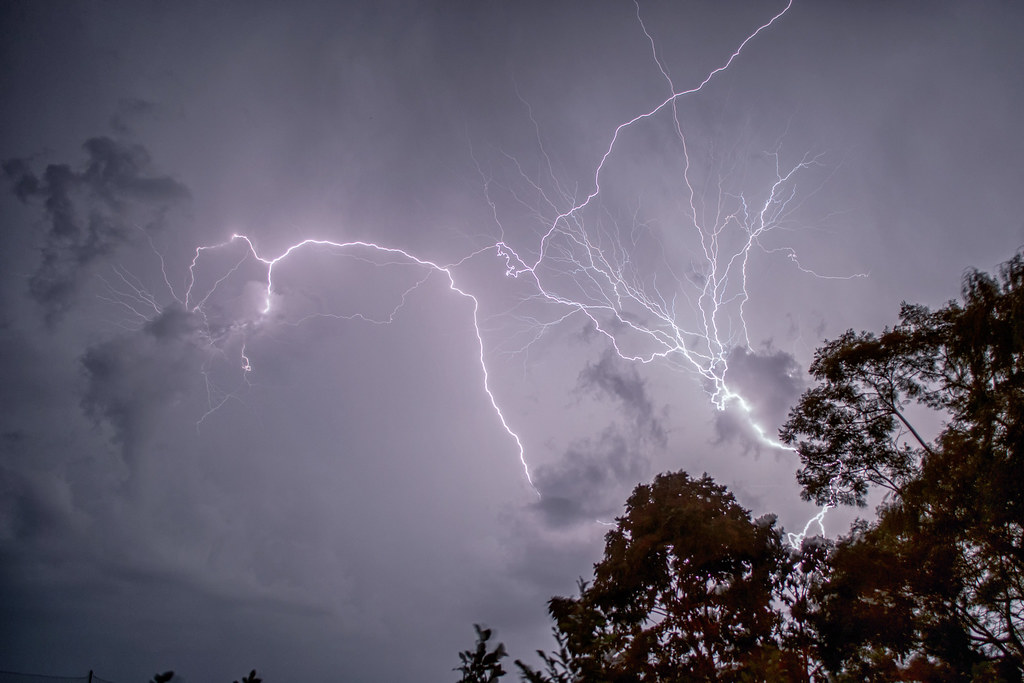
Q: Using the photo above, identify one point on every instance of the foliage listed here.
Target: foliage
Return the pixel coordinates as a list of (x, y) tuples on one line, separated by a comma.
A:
[(685, 588), (480, 665), (935, 587), (690, 588), (169, 675), (561, 667)]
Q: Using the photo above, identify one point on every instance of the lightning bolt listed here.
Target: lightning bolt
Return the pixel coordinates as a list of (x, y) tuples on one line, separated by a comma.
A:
[(575, 269), (796, 540)]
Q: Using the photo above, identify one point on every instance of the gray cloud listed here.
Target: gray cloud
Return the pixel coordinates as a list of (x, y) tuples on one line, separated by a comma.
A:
[(132, 376), (770, 381), (91, 210), (33, 508), (591, 478), (588, 480), (621, 381)]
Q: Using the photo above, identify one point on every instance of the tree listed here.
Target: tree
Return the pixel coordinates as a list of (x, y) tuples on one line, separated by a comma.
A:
[(561, 667), (690, 588), (480, 665), (934, 588)]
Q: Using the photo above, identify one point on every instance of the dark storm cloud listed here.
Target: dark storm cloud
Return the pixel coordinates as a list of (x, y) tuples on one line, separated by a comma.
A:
[(31, 507), (770, 381), (771, 378), (588, 480), (173, 323), (90, 211), (620, 380), (131, 377)]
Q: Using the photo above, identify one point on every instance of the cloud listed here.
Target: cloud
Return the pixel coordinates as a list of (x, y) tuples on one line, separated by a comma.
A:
[(620, 379), (33, 508), (594, 475), (131, 377), (770, 381), (588, 482), (90, 211)]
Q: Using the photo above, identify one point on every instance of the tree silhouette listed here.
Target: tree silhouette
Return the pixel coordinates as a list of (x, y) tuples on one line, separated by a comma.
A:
[(689, 588), (480, 665), (934, 587)]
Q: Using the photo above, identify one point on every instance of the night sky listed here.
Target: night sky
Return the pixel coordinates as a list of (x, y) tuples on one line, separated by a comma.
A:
[(324, 490)]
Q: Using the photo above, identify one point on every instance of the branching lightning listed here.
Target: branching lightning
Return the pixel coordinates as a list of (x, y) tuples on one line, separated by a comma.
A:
[(575, 270), (796, 540)]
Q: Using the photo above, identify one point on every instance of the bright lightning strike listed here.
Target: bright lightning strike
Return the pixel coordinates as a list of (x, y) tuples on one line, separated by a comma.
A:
[(581, 270), (796, 540)]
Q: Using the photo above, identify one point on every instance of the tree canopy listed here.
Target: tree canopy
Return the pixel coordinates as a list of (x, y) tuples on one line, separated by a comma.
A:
[(685, 588), (690, 588), (933, 587)]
